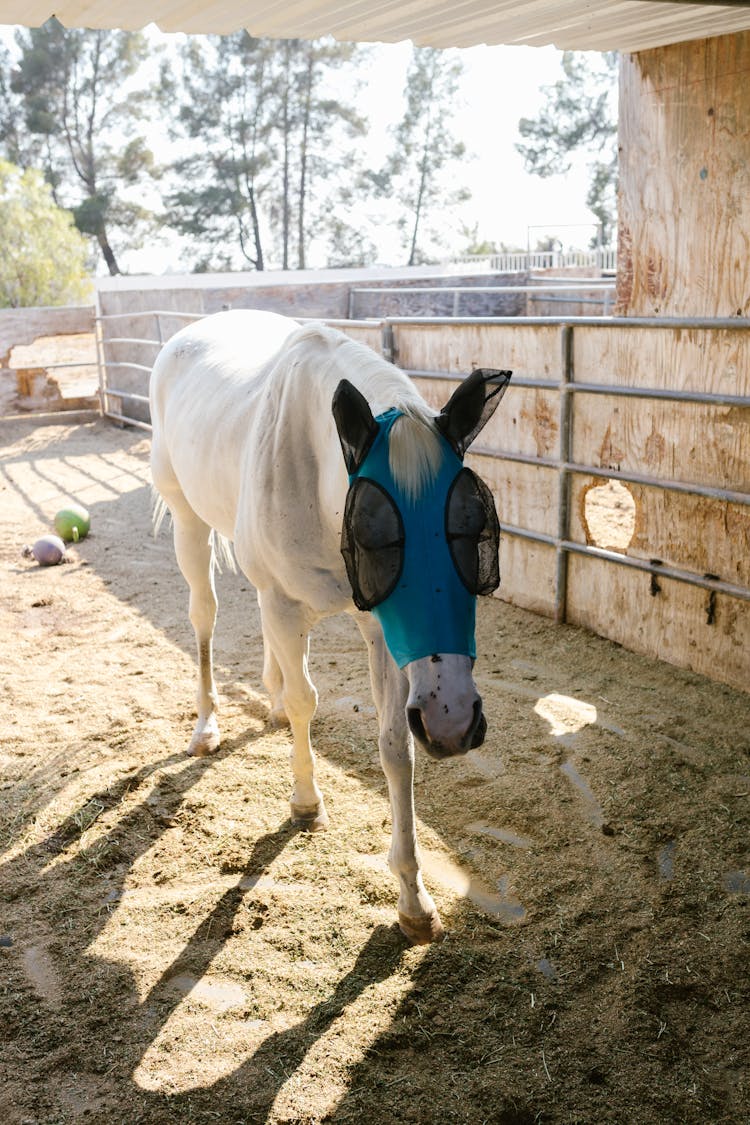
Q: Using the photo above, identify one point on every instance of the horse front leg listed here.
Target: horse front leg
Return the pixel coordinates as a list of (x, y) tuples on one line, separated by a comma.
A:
[(286, 636), (192, 541), (417, 914)]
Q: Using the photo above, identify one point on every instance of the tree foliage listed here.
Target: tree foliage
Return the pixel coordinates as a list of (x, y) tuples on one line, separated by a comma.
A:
[(268, 143), (44, 257), (475, 245), (72, 91), (424, 146), (265, 165), (313, 117), (579, 114), (218, 104)]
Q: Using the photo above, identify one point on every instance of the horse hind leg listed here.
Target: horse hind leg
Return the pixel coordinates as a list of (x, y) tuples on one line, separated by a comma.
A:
[(194, 551), (286, 629), (273, 681)]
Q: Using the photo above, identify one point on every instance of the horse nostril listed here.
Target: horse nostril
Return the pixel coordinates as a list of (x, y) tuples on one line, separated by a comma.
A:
[(416, 725), (478, 727)]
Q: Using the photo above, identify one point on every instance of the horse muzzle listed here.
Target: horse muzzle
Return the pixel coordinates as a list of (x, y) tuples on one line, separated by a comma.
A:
[(444, 708), (443, 746)]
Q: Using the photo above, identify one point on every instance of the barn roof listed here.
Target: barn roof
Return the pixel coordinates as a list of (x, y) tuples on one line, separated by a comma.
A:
[(624, 25)]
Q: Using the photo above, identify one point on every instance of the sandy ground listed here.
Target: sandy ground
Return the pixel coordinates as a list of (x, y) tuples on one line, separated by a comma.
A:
[(172, 950)]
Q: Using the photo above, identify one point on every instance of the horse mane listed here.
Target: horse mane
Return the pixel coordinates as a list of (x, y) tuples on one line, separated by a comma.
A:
[(415, 451)]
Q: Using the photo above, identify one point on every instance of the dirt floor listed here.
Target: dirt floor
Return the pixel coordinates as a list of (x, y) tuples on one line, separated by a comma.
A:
[(171, 950)]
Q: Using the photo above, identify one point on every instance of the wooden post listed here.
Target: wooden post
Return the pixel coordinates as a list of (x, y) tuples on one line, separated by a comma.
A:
[(684, 208)]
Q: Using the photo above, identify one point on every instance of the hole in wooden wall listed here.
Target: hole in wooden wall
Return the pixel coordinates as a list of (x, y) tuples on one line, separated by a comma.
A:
[(609, 515)]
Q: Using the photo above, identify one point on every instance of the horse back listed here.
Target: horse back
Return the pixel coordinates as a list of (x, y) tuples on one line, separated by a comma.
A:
[(243, 434), (204, 392)]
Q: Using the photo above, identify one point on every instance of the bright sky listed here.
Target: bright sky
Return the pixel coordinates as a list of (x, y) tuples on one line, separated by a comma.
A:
[(500, 85)]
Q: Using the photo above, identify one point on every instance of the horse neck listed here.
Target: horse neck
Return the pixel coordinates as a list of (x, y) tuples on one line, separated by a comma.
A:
[(319, 358)]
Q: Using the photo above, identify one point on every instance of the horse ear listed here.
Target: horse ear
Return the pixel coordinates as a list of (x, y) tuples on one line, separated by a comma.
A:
[(355, 424), (471, 406)]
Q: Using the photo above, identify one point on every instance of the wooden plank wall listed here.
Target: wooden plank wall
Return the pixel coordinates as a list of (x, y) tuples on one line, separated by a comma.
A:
[(326, 299), (684, 217), (526, 422), (688, 442), (23, 326)]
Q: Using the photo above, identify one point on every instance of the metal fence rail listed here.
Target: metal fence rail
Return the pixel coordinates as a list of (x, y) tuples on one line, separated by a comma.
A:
[(563, 464), (566, 387), (108, 393)]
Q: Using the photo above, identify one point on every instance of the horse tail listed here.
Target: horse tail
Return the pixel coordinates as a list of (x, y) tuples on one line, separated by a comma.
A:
[(159, 511), (222, 553)]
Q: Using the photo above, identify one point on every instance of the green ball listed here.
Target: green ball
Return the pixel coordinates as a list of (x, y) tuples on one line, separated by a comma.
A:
[(72, 523)]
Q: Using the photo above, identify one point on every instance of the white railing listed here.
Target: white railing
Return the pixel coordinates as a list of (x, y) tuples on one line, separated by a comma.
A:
[(523, 261)]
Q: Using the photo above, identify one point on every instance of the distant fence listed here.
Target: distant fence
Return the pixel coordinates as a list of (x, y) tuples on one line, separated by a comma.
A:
[(522, 261)]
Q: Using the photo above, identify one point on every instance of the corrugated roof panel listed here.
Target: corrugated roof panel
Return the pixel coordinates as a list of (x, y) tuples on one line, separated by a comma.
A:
[(624, 25)]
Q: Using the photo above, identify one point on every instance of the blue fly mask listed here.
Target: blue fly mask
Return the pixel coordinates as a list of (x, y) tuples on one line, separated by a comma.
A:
[(419, 563)]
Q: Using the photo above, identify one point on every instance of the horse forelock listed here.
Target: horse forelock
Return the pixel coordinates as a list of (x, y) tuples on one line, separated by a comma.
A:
[(415, 450), (415, 454)]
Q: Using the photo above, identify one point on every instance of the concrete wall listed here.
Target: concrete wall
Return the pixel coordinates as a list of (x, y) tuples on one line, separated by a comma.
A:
[(25, 383), (312, 293), (23, 326)]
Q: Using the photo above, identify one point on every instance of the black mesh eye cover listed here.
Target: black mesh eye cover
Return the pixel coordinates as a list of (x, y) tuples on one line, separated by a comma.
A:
[(473, 533), (372, 543)]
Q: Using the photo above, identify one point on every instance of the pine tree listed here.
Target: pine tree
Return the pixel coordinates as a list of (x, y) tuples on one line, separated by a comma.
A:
[(579, 114), (317, 118), (221, 102), (266, 143), (424, 147)]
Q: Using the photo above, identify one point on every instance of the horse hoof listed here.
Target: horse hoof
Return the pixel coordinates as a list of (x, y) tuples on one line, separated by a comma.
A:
[(205, 741), (203, 747), (311, 820), (278, 718), (421, 931)]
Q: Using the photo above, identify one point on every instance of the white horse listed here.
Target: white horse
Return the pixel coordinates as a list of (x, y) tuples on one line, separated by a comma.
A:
[(245, 409)]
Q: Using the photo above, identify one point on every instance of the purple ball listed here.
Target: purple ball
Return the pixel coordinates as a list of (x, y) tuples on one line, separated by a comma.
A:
[(49, 550)]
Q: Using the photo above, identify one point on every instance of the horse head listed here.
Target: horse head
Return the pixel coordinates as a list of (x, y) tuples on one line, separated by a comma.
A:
[(418, 557)]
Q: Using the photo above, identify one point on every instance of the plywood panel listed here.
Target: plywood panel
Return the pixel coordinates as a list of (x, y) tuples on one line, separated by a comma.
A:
[(525, 495), (684, 208), (685, 359), (365, 334), (673, 625), (531, 351), (687, 532), (687, 442), (527, 574), (526, 421)]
